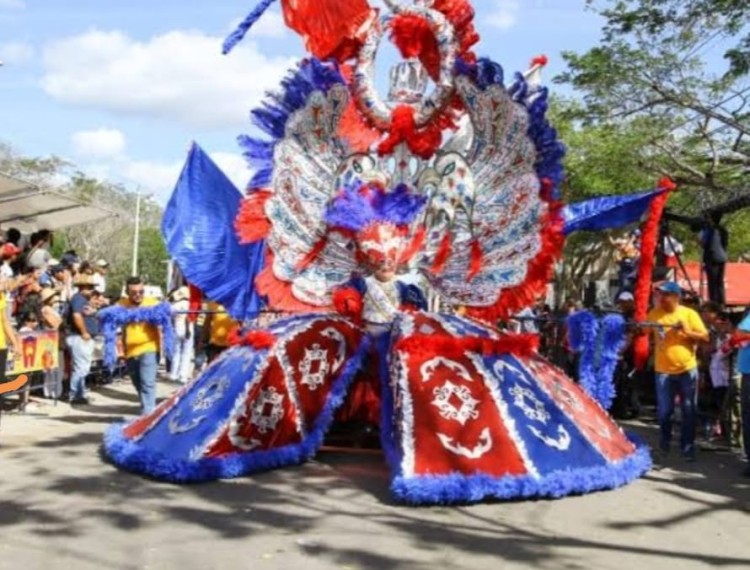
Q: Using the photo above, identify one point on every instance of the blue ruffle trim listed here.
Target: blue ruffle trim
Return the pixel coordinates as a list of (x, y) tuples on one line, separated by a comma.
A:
[(458, 488), (134, 457), (599, 344), (114, 318)]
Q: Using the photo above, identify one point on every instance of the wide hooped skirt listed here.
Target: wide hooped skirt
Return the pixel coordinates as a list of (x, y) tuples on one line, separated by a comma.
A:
[(466, 414)]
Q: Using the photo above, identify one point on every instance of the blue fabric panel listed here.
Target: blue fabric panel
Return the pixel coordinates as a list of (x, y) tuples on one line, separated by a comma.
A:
[(224, 381), (580, 453), (607, 212), (452, 489), (198, 228)]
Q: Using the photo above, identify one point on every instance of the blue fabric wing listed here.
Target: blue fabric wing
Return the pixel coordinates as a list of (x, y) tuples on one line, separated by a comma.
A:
[(198, 228), (607, 212)]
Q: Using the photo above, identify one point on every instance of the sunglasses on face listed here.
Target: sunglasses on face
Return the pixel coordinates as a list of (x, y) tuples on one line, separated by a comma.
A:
[(136, 292)]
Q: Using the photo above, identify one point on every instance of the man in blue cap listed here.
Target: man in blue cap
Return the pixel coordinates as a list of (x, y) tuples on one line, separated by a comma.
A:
[(675, 342)]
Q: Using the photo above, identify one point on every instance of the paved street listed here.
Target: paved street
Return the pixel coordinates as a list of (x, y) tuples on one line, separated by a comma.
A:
[(62, 507)]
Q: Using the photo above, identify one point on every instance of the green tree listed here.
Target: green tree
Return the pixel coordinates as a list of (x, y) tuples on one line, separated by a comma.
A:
[(650, 77), (602, 159)]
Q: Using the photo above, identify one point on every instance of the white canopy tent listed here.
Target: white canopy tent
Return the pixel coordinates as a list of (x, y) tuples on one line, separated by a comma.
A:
[(30, 208)]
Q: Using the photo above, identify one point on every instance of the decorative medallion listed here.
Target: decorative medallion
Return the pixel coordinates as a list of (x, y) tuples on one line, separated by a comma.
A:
[(314, 367), (455, 403), (532, 407), (268, 410)]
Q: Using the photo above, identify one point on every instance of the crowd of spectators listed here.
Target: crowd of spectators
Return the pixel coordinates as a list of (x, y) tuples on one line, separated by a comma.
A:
[(41, 293)]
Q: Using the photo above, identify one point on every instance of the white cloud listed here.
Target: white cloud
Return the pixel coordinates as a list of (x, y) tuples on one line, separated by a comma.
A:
[(151, 176), (504, 15), (99, 143), (160, 178), (271, 25), (16, 52), (179, 76), (12, 4)]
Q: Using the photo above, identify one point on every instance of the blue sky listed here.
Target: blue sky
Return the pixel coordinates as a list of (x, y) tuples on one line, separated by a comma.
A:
[(120, 88)]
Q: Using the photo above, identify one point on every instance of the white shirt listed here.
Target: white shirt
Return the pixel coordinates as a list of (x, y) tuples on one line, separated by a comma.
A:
[(100, 283), (672, 247)]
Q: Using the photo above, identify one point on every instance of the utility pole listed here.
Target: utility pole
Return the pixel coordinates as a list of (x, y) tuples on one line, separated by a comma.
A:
[(136, 237)]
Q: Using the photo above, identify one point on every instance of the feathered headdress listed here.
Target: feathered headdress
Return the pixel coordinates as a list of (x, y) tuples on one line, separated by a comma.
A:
[(359, 205)]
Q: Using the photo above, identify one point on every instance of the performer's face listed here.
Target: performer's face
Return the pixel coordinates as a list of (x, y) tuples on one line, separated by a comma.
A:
[(380, 246)]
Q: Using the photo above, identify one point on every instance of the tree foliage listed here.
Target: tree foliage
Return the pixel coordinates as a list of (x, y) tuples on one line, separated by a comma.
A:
[(675, 19), (651, 89), (651, 67)]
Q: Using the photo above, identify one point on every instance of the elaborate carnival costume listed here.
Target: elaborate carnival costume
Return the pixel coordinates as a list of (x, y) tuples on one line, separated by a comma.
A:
[(350, 195)]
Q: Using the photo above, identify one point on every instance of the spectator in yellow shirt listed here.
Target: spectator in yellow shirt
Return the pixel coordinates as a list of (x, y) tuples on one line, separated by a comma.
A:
[(141, 342), (218, 325), (675, 342), (7, 335)]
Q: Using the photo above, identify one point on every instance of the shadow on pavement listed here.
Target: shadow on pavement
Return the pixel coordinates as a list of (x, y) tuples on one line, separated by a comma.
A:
[(336, 487)]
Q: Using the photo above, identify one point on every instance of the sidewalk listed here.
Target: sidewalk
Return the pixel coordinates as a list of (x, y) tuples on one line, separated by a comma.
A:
[(62, 506)]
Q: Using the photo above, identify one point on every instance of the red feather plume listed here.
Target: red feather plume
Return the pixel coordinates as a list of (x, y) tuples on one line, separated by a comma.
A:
[(258, 339), (252, 224), (475, 261), (348, 302), (649, 237), (442, 255), (453, 347)]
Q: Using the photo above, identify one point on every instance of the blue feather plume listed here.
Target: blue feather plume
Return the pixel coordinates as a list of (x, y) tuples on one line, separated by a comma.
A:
[(273, 114), (117, 317), (357, 206), (244, 26), (599, 344)]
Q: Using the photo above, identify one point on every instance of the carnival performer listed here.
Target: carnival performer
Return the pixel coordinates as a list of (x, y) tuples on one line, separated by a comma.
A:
[(358, 211)]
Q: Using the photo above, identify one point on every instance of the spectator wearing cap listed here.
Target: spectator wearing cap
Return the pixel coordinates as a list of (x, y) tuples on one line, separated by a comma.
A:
[(141, 341), (71, 261), (84, 326), (626, 404), (679, 332), (626, 304), (101, 268)]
